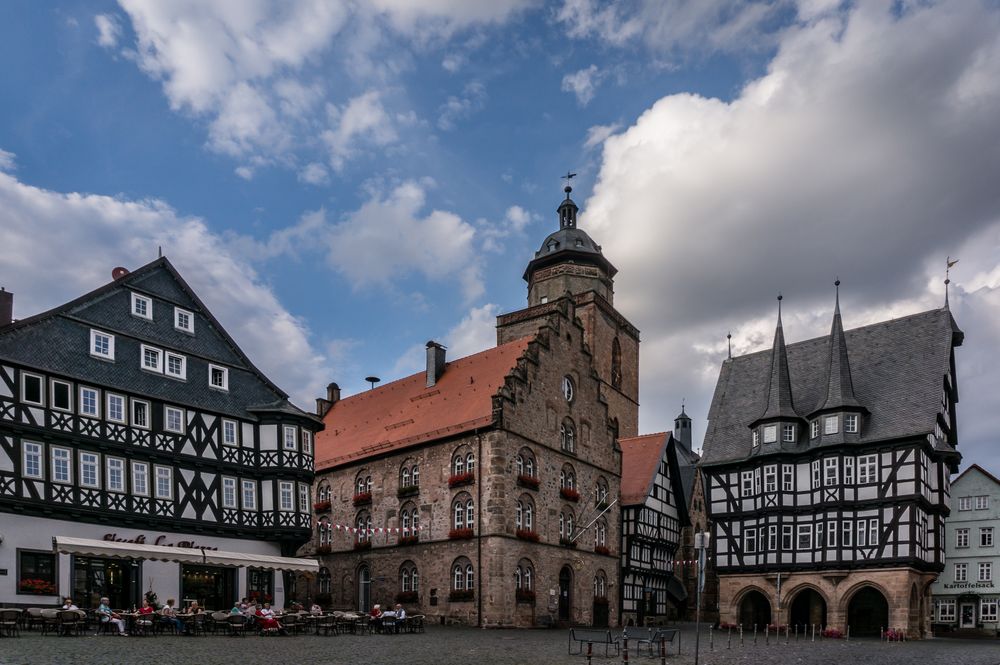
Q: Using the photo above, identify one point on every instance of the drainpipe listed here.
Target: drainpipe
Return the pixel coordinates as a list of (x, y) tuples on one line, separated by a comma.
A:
[(479, 535)]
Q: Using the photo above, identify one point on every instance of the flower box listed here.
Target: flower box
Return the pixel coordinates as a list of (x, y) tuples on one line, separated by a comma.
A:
[(321, 506), (363, 545), (324, 549), (460, 534), (569, 494), (602, 504), (776, 627), (408, 490), (408, 598), (723, 625), (525, 596), (600, 600), (602, 549), (36, 587), (833, 634), (460, 479), (525, 534), (530, 482), (566, 542), (461, 596), (362, 498), (408, 540)]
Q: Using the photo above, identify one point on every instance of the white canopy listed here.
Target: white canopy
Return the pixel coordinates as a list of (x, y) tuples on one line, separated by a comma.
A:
[(195, 555)]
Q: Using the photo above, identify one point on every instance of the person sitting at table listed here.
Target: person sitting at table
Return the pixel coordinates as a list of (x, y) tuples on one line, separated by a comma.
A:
[(193, 608), (145, 619), (146, 608), (68, 604), (106, 615), (400, 612), (315, 609), (267, 621), (168, 614), (237, 609)]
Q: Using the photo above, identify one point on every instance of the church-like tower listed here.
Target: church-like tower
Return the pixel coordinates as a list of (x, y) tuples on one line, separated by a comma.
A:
[(571, 265)]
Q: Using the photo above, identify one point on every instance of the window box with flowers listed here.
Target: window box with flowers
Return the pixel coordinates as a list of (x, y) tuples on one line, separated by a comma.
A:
[(321, 506), (362, 498), (530, 482), (324, 549), (408, 598), (461, 595), (460, 534), (833, 634), (602, 504), (600, 600), (362, 544), (526, 534), (36, 587), (524, 596), (408, 540), (566, 542), (408, 490), (461, 479), (569, 494), (602, 549)]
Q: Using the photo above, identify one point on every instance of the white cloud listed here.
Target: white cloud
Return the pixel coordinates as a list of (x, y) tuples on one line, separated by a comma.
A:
[(474, 333), (458, 108), (109, 30), (8, 161), (514, 221), (363, 119), (314, 173), (80, 237), (584, 83), (244, 172), (431, 19), (598, 134)]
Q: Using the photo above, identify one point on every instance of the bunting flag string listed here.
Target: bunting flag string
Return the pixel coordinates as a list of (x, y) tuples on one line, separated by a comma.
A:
[(346, 528)]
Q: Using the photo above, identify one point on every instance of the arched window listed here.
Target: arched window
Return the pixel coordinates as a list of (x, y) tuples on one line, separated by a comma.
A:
[(526, 463), (409, 578), (567, 436), (323, 492), (324, 580), (566, 523), (409, 474), (415, 475), (567, 478), (601, 533), (464, 511), (616, 364), (525, 514), (363, 484), (602, 491), (524, 576), (600, 585), (462, 575), (324, 531), (464, 461), (364, 526), (409, 519), (404, 477)]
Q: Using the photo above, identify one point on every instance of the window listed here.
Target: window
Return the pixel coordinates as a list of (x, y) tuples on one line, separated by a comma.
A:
[(988, 610), (307, 442), (150, 358), (62, 396), (750, 541), (867, 469), (164, 483), (176, 365), (102, 345), (601, 533), (409, 579), (787, 477), (218, 377), (819, 534), (566, 525), (285, 496), (982, 503), (616, 364), (524, 514), (289, 438), (32, 460), (36, 573), (961, 572), (116, 474), (756, 481), (831, 533), (140, 414), (946, 611), (746, 483), (464, 512), (872, 532), (815, 474), (830, 425), (851, 423), (830, 471), (567, 436), (961, 537), (173, 420), (228, 492), (462, 575), (848, 470), (814, 429), (985, 571), (788, 433), (805, 537), (249, 495), (965, 503), (772, 538), (88, 470), (786, 537), (116, 408), (183, 320), (325, 532), (62, 467), (848, 533), (770, 433), (986, 536), (600, 585), (140, 479), (324, 580), (363, 485), (568, 388), (415, 475), (303, 498), (89, 403), (770, 479), (523, 576), (756, 438), (567, 478), (229, 435), (142, 306)]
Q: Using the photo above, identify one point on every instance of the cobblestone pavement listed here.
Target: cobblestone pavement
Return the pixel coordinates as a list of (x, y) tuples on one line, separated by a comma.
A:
[(459, 646)]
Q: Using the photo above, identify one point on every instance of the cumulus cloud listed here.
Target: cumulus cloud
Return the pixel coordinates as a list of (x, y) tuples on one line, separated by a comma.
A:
[(314, 173), (8, 161), (473, 99), (583, 83), (825, 165), (514, 221), (109, 30), (597, 134), (80, 237), (361, 120)]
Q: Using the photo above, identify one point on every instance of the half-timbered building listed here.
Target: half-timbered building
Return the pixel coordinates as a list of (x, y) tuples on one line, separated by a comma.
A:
[(141, 450), (826, 475), (653, 511)]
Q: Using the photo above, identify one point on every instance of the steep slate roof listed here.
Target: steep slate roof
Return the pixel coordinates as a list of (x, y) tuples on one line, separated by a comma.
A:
[(687, 464), (779, 388), (898, 369), (58, 340), (406, 412), (641, 457), (840, 387)]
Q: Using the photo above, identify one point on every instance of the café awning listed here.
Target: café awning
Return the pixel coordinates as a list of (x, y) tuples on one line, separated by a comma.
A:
[(194, 555)]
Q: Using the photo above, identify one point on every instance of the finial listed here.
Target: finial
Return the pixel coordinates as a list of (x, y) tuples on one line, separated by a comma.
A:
[(947, 277), (159, 249), (568, 178), (779, 307), (729, 340), (836, 284)]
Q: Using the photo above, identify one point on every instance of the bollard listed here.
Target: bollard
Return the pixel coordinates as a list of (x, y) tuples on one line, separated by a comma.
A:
[(848, 633), (711, 638), (590, 651), (880, 634), (796, 632), (663, 651), (814, 633), (741, 634), (625, 649), (729, 640), (767, 634), (788, 630), (755, 634)]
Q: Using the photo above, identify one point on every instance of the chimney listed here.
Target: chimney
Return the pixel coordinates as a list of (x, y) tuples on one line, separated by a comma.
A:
[(435, 362), (332, 397), (6, 307)]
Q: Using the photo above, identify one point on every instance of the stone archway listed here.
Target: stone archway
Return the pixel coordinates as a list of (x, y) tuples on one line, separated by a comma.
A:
[(754, 610), (808, 608), (867, 612)]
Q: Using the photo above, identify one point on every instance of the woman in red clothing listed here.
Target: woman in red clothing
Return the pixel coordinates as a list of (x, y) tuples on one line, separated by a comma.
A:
[(266, 620)]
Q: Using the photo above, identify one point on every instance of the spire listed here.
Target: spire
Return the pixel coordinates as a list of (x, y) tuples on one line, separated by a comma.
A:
[(839, 387), (729, 341), (779, 389)]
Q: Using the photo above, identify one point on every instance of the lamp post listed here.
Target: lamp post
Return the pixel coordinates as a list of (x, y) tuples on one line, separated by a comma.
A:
[(701, 543)]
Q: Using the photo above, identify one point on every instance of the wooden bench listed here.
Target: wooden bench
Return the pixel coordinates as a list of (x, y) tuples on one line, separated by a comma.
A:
[(596, 636), (652, 637)]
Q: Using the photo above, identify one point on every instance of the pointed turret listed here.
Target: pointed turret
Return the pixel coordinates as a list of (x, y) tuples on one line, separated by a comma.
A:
[(839, 386), (779, 389), (682, 429)]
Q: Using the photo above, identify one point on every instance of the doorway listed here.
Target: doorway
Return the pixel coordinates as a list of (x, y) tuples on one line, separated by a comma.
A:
[(94, 578), (213, 587), (364, 589), (808, 609), (755, 610), (565, 593), (868, 612), (968, 615)]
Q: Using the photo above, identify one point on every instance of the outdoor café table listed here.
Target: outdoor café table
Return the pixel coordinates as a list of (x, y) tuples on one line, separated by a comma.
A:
[(187, 619)]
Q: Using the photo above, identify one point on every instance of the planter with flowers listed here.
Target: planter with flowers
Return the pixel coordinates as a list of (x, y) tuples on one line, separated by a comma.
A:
[(461, 479), (460, 534), (362, 498), (526, 534), (530, 482), (321, 506), (36, 587), (569, 493)]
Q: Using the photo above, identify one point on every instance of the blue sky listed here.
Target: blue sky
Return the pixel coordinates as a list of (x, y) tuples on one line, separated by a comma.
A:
[(343, 181)]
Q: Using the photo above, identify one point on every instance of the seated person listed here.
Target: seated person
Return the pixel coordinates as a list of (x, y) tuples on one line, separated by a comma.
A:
[(193, 608), (266, 620), (315, 609), (168, 614), (296, 606), (236, 608), (146, 608), (105, 613), (400, 612), (376, 612), (68, 604)]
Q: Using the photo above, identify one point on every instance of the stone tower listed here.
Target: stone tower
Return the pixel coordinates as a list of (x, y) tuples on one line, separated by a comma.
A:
[(570, 265)]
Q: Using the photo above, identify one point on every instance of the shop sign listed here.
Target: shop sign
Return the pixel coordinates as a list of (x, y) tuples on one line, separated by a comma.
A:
[(160, 540), (969, 585)]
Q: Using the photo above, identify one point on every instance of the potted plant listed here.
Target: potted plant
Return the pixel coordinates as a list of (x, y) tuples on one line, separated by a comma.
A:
[(460, 479), (362, 498), (569, 493), (460, 534), (525, 534), (530, 482), (321, 506)]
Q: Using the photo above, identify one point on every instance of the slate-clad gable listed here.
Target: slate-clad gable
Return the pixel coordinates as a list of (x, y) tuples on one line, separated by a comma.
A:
[(897, 368)]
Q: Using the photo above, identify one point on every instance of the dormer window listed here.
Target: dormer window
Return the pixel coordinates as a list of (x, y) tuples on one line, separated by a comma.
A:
[(814, 429), (770, 433), (552, 245), (102, 345), (830, 425), (152, 359), (851, 423), (142, 307), (183, 320), (788, 433), (218, 377)]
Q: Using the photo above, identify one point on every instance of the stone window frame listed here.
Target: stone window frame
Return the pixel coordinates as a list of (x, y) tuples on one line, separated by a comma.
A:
[(363, 523), (524, 575), (409, 518), (363, 482), (567, 435), (409, 577), (463, 574), (524, 513), (567, 477), (466, 504), (463, 460), (526, 463)]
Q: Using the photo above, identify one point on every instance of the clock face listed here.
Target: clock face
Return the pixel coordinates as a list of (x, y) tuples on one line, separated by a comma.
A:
[(567, 388)]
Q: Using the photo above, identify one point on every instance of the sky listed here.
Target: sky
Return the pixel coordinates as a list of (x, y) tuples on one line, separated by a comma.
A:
[(341, 182)]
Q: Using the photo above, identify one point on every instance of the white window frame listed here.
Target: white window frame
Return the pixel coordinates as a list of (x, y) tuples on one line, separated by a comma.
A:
[(961, 572), (985, 571), (248, 494), (177, 320), (135, 421), (140, 470), (225, 377), (41, 388), (862, 540), (804, 530), (52, 393), (814, 429), (97, 402), (756, 438), (965, 503), (787, 538), (868, 469), (286, 496), (167, 357), (831, 424), (236, 432), (847, 533), (771, 478), (962, 538), (303, 498), (169, 475), (770, 433), (110, 355), (285, 431), (136, 298), (89, 460), (851, 421), (750, 541), (305, 436), (988, 610), (982, 502), (946, 611), (831, 471), (772, 538), (788, 433), (746, 484), (143, 348), (831, 533), (123, 404), (787, 478), (166, 419), (873, 532), (229, 483), (848, 470), (36, 450), (64, 455), (109, 463), (816, 477), (986, 536)]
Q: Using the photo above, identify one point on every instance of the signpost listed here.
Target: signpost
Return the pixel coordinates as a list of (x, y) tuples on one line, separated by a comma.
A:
[(701, 543)]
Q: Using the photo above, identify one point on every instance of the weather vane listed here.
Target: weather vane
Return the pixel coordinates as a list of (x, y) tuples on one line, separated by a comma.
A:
[(569, 176), (949, 262)]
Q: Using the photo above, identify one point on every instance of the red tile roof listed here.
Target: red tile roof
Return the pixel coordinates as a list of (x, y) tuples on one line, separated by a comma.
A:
[(406, 412), (641, 457)]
